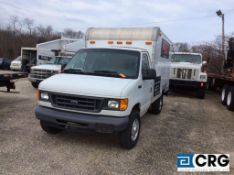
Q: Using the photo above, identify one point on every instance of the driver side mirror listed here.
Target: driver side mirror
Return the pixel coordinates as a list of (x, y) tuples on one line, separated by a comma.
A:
[(150, 74), (63, 66)]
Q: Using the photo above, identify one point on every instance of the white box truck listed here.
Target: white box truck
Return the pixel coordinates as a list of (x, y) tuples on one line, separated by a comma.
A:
[(108, 86)]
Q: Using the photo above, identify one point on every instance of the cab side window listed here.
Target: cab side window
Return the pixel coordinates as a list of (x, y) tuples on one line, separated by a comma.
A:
[(145, 64)]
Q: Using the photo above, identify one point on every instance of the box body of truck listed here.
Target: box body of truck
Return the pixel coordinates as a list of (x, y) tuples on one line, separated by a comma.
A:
[(120, 75)]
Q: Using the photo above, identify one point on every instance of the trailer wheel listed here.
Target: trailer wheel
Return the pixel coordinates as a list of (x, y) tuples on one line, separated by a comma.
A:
[(35, 85), (224, 94), (230, 99)]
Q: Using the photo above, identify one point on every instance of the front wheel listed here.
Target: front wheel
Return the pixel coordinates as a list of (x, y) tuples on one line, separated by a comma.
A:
[(129, 137), (35, 84), (201, 92), (50, 128)]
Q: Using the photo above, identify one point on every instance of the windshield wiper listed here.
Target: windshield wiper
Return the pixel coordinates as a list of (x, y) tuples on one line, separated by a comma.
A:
[(107, 73), (73, 71)]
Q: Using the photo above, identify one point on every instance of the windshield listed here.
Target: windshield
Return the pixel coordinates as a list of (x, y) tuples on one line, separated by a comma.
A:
[(18, 58), (59, 60), (105, 62), (186, 58)]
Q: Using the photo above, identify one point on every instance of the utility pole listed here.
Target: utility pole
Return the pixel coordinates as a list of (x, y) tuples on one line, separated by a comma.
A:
[(220, 14)]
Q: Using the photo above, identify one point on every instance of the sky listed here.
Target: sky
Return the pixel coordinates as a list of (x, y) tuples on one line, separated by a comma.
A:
[(192, 21)]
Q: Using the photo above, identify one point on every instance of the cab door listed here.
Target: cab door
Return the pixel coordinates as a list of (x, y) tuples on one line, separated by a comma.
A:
[(147, 85)]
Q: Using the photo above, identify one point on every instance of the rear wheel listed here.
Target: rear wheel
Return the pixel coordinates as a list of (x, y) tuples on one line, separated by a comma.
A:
[(224, 94), (50, 128), (230, 99), (35, 85), (156, 107), (129, 137)]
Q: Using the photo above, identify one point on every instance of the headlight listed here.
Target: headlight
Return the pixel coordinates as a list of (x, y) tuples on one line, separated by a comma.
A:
[(202, 77), (44, 96), (113, 104), (117, 104)]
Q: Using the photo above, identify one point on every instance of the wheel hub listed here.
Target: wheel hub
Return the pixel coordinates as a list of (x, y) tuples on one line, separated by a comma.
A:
[(135, 129), (229, 98), (223, 94)]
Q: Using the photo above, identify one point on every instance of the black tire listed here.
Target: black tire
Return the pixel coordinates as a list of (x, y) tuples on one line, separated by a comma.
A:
[(156, 107), (50, 128), (128, 139), (201, 93), (230, 99), (35, 85), (224, 94)]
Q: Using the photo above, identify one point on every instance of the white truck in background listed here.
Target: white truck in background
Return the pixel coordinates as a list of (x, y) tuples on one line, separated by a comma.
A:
[(108, 86), (44, 71), (187, 72)]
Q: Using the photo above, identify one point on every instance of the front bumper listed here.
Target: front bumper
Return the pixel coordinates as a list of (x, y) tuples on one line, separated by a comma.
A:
[(99, 123), (189, 84), (35, 80), (14, 67)]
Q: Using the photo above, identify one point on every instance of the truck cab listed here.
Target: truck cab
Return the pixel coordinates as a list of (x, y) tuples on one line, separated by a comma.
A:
[(43, 71), (187, 72), (108, 86)]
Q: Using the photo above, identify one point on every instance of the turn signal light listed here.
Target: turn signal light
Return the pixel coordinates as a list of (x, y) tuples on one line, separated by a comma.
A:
[(38, 95), (123, 104)]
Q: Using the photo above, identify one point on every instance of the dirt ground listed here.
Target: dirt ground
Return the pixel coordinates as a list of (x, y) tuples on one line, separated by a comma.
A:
[(186, 125)]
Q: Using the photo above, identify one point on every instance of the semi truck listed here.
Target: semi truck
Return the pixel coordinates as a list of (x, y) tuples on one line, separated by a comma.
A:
[(108, 86), (225, 79), (187, 72)]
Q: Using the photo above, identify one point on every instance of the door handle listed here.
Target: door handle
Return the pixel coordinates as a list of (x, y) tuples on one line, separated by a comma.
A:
[(139, 86)]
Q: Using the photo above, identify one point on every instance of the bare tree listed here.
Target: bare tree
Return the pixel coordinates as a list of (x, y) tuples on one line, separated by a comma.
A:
[(72, 34), (29, 24), (181, 47), (15, 24)]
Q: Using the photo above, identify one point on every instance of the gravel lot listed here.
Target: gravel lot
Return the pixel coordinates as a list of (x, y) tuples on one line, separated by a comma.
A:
[(186, 125)]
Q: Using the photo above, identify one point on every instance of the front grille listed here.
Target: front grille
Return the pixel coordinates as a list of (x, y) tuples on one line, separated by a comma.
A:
[(41, 74), (184, 73), (77, 103)]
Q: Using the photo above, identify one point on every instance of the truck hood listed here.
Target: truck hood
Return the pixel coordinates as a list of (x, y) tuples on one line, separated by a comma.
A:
[(53, 67), (87, 85), (16, 62), (185, 65)]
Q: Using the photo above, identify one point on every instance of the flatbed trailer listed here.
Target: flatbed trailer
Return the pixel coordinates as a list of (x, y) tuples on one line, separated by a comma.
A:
[(225, 83), (224, 80), (7, 78)]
